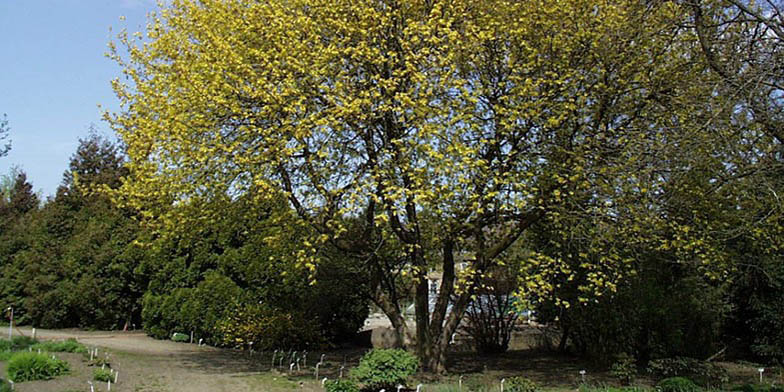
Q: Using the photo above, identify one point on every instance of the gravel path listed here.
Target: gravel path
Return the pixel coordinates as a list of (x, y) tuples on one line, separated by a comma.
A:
[(148, 365)]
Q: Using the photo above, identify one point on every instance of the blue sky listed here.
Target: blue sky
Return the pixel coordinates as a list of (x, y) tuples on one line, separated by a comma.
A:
[(53, 76)]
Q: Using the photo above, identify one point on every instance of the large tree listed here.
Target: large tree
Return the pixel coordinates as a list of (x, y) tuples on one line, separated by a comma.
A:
[(411, 134)]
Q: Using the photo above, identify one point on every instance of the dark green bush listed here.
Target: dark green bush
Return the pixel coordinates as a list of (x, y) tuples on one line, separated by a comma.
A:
[(624, 368), (341, 385), (704, 373), (384, 368), (677, 384), (4, 386), (199, 309), (520, 384), (29, 366), (65, 346), (103, 375)]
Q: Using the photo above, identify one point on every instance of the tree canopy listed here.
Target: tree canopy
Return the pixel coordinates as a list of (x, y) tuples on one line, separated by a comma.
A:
[(411, 134)]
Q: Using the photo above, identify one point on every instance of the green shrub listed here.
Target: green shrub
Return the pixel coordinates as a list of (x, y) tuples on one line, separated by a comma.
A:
[(199, 309), (704, 373), (341, 385), (624, 368), (65, 346), (677, 384), (29, 366), (268, 328), (180, 337), (384, 368), (4, 386), (520, 384), (103, 375)]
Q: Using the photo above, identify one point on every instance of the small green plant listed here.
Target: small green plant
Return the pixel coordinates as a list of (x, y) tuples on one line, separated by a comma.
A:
[(65, 346), (4, 386), (384, 369), (29, 366), (677, 384), (102, 361), (341, 385), (103, 375), (180, 337), (520, 384), (624, 368)]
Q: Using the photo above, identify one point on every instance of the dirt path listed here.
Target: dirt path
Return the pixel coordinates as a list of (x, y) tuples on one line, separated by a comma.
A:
[(148, 365)]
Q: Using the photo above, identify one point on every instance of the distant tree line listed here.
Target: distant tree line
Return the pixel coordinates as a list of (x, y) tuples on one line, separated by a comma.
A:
[(77, 260)]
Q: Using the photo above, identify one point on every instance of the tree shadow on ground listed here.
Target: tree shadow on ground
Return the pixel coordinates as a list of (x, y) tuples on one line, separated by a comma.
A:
[(223, 361)]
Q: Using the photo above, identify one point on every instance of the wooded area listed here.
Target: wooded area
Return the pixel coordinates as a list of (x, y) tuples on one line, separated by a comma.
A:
[(283, 165)]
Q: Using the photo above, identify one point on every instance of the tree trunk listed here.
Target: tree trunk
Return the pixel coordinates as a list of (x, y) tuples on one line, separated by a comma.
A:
[(423, 341), (396, 318)]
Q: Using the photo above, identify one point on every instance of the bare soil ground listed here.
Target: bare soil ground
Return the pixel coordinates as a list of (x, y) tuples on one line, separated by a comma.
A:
[(148, 365)]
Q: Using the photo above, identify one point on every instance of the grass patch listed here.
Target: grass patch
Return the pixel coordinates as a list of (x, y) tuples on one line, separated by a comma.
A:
[(18, 343), (64, 346), (29, 366), (270, 381)]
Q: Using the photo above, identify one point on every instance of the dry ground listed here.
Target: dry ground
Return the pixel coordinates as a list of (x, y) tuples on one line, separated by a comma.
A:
[(148, 365)]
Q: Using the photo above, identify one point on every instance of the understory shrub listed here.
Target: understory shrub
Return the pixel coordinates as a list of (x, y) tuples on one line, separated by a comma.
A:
[(29, 366), (64, 346), (341, 385), (268, 328), (199, 309), (704, 373), (677, 384), (521, 384), (384, 368), (4, 386), (624, 368)]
